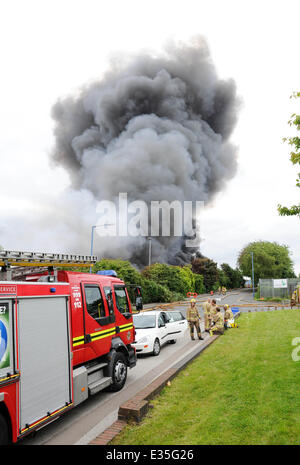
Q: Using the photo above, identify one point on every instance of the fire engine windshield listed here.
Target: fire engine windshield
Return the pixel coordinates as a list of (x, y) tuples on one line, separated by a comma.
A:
[(144, 321)]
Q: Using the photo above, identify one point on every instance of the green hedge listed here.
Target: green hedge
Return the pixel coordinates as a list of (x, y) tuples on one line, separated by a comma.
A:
[(160, 282)]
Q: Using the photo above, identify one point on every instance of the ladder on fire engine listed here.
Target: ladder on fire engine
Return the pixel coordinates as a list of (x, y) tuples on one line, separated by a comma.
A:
[(15, 264)]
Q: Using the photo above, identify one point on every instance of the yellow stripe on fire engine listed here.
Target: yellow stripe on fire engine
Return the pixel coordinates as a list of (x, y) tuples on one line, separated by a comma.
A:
[(101, 334), (125, 329), (127, 326), (103, 331), (77, 341)]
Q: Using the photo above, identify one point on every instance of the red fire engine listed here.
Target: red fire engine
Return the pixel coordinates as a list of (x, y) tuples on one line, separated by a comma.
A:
[(64, 335)]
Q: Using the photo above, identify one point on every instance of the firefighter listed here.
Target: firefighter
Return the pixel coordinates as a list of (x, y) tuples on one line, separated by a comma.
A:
[(228, 315), (213, 309), (193, 318), (207, 318), (293, 299), (218, 320)]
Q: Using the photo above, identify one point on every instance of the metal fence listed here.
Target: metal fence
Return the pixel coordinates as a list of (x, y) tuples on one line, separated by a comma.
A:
[(267, 289)]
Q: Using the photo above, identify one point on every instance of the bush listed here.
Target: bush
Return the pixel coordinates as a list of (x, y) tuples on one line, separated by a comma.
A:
[(160, 282), (154, 292), (199, 284), (179, 280), (169, 276)]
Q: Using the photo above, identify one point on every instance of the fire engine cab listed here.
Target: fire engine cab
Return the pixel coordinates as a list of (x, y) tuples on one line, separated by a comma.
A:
[(64, 335)]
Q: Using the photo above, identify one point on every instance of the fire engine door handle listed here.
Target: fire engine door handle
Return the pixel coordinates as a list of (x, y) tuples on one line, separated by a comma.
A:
[(87, 338)]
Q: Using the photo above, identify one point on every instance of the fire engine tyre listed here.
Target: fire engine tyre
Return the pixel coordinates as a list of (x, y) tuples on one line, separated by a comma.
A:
[(156, 347), (3, 431), (119, 372)]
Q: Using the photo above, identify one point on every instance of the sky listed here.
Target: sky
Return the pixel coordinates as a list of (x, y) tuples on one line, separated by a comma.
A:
[(51, 48)]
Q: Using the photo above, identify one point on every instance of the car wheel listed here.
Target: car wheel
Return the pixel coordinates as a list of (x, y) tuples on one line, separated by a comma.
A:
[(4, 440), (119, 373), (156, 347), (173, 341)]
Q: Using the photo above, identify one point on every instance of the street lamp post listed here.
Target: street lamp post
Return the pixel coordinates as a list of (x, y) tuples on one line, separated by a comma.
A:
[(252, 275), (149, 239), (92, 236)]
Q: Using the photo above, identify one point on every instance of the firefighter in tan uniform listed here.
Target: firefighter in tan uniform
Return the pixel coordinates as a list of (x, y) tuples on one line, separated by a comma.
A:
[(193, 318), (207, 319), (213, 311), (228, 315), (218, 320), (293, 299)]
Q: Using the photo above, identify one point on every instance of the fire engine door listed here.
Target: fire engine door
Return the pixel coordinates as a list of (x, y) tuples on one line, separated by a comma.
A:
[(124, 326), (99, 324)]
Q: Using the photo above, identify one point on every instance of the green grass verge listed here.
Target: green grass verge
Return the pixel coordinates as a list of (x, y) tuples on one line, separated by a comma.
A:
[(243, 389)]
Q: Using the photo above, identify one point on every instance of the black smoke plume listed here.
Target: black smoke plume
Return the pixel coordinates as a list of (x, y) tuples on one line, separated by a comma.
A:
[(156, 127)]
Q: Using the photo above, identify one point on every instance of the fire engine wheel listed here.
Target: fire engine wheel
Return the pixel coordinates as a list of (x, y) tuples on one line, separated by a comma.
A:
[(3, 431), (119, 372), (156, 347)]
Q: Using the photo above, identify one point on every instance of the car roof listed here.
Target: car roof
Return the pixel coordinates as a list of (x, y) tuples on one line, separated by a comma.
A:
[(151, 312)]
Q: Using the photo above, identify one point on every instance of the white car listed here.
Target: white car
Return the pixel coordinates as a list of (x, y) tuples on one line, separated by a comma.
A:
[(155, 328)]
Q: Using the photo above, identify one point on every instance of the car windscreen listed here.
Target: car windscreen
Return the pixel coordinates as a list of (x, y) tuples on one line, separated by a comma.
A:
[(175, 316), (144, 321)]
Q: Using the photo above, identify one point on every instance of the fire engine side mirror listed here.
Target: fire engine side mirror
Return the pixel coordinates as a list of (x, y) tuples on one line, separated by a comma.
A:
[(138, 298)]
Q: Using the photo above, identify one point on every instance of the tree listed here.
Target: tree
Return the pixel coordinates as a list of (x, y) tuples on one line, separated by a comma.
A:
[(294, 158), (271, 260), (177, 279), (209, 270), (234, 277), (199, 284), (123, 268), (223, 279)]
